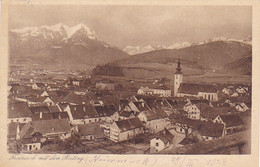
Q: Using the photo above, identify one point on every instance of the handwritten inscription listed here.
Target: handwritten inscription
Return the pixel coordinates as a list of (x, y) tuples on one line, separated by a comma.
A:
[(174, 161)]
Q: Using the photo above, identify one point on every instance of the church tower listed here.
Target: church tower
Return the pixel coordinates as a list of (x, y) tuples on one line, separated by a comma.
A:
[(177, 77)]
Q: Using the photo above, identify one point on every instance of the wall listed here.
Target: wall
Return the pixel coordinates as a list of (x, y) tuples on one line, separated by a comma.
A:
[(160, 144)]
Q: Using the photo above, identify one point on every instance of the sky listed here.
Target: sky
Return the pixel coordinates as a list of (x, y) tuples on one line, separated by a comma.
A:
[(141, 25)]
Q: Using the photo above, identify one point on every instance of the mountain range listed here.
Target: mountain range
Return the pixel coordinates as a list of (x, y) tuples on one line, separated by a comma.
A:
[(61, 44), (133, 50), (213, 55)]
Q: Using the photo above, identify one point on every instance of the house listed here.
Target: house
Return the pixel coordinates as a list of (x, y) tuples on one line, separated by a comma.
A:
[(126, 129), (34, 133), (107, 114), (232, 123), (186, 125), (226, 91), (207, 92), (242, 107), (74, 99), (53, 87), (31, 140), (210, 113), (110, 100), (144, 91), (154, 120), (190, 139), (160, 90), (91, 131), (60, 115), (81, 114), (17, 89), (105, 84), (49, 94), (38, 86), (126, 115), (40, 113), (194, 110), (241, 90), (161, 141), (80, 91), (137, 107), (19, 112), (235, 94), (209, 130)]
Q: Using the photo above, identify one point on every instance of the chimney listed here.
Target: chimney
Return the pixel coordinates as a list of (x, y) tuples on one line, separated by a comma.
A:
[(84, 108), (142, 104), (40, 115), (164, 131)]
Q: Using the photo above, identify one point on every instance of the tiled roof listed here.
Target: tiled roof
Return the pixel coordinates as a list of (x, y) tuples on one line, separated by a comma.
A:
[(37, 99), (232, 120), (51, 126), (165, 136), (141, 106), (210, 129), (43, 116), (40, 84), (54, 109), (194, 89), (91, 129), (60, 115), (18, 109), (155, 114), (212, 112), (38, 109), (125, 114), (129, 124), (77, 99), (205, 128), (83, 111)]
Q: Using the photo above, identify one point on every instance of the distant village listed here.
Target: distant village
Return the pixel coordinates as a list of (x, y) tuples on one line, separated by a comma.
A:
[(69, 112)]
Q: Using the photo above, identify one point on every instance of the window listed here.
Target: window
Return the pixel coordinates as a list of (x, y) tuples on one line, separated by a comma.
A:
[(156, 144), (89, 120), (24, 119)]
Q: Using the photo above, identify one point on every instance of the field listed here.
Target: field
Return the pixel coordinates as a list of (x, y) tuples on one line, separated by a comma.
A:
[(151, 71)]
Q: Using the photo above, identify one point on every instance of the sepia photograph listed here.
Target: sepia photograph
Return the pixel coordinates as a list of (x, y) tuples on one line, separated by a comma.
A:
[(129, 79)]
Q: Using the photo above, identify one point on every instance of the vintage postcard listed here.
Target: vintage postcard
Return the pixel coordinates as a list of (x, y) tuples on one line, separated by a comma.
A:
[(136, 83)]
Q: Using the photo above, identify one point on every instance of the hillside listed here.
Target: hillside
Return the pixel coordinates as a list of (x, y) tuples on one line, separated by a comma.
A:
[(209, 56), (240, 66)]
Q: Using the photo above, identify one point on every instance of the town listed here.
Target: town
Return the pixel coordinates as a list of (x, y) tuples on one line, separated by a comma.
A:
[(58, 111)]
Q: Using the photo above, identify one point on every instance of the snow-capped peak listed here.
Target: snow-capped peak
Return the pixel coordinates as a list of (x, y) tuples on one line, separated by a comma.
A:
[(60, 27), (132, 50), (179, 45)]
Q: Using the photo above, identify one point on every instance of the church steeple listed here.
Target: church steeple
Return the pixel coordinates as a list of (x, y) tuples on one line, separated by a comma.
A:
[(178, 68), (177, 77)]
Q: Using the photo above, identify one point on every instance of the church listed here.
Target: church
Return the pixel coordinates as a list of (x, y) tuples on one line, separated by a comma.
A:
[(181, 89)]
